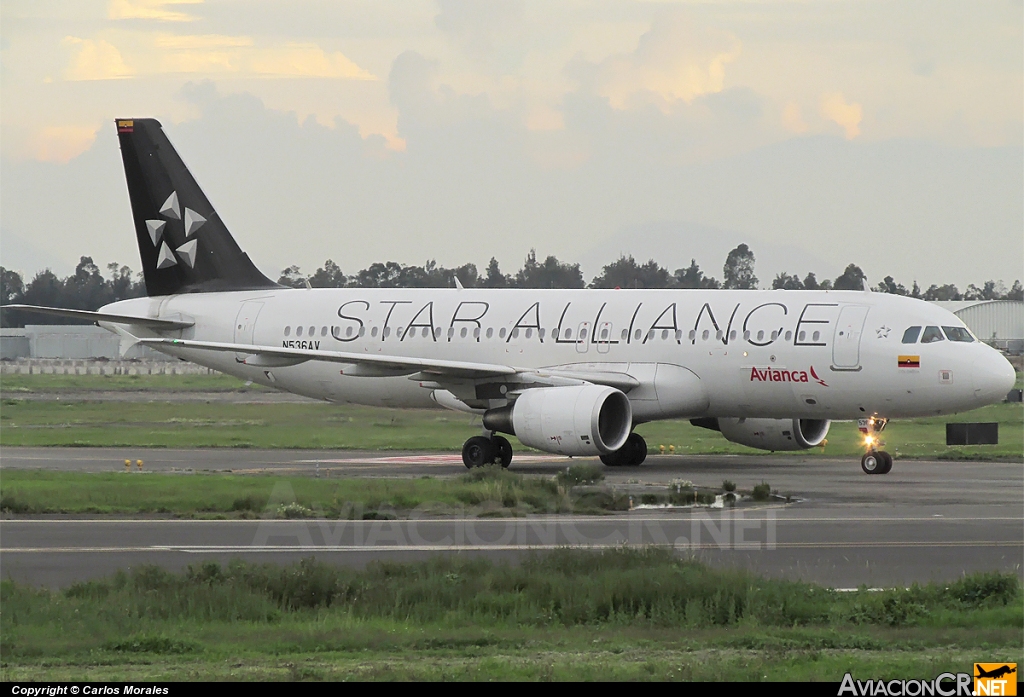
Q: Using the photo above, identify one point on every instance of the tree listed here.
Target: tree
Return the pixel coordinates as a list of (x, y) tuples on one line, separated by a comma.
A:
[(551, 274), (786, 282), (626, 273), (888, 285), (467, 275), (329, 275), (946, 292), (811, 282), (292, 278), (693, 277), (11, 286), (851, 279), (1016, 292), (46, 289), (122, 286), (379, 275), (738, 271), (495, 278)]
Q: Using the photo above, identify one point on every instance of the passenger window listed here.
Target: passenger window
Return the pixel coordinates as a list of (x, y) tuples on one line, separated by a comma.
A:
[(529, 333), (664, 334), (490, 332), (958, 334), (312, 331), (637, 334), (323, 331), (476, 333), (348, 331), (568, 333), (789, 335), (373, 332), (298, 331), (693, 335), (705, 335), (501, 333), (540, 333), (464, 331), (583, 335), (910, 336), (931, 334), (426, 332), (387, 331), (732, 335), (287, 331)]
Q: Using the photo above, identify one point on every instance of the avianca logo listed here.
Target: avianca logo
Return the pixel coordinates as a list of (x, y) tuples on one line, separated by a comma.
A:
[(776, 375)]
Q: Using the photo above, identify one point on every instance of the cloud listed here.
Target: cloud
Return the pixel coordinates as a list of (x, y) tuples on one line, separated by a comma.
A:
[(305, 60), (676, 60), (793, 120), (835, 108), (60, 143), (149, 9), (95, 59)]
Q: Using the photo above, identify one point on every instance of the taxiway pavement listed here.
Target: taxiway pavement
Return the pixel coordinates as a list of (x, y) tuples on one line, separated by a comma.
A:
[(924, 521)]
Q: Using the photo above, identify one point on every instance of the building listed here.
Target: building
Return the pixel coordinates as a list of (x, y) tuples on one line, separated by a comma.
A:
[(67, 341), (997, 322)]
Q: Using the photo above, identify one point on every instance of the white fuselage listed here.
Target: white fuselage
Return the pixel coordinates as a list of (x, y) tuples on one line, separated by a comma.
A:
[(772, 354)]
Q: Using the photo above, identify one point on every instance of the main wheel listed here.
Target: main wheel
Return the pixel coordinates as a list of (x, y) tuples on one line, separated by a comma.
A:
[(635, 450), (872, 463), (502, 450), (477, 452), (886, 462)]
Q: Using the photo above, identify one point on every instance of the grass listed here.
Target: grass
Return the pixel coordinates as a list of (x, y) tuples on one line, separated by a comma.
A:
[(488, 491), (636, 614), (80, 422)]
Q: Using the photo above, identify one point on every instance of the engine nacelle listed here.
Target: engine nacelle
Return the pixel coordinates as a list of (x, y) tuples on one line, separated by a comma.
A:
[(770, 434), (573, 420)]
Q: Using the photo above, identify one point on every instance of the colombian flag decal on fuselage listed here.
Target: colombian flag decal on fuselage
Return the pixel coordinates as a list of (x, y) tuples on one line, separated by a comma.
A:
[(910, 361), (126, 126)]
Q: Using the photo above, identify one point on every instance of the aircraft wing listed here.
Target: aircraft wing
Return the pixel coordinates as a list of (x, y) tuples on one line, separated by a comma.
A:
[(366, 364), (149, 322)]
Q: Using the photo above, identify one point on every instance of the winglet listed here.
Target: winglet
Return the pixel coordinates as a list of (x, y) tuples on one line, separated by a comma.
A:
[(458, 283)]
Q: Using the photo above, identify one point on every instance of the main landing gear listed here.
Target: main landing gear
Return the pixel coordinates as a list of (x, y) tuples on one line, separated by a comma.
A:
[(631, 454), (481, 450), (874, 461)]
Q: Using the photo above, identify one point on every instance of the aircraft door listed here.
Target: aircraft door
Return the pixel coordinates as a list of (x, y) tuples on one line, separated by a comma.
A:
[(245, 324), (583, 338), (846, 341)]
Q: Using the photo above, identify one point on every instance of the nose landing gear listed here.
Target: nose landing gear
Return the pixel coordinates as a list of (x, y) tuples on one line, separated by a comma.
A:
[(481, 450), (874, 461)]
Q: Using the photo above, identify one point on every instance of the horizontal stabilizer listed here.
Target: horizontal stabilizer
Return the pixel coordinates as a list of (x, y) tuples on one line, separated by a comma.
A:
[(148, 322)]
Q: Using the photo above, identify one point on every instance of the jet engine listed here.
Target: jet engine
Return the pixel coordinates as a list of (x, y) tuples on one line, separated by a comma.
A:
[(769, 434), (572, 420)]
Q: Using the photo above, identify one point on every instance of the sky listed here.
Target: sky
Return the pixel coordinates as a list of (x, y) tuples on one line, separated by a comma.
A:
[(821, 133)]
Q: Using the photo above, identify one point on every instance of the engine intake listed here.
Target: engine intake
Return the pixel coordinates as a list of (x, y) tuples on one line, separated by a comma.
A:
[(770, 434), (573, 420)]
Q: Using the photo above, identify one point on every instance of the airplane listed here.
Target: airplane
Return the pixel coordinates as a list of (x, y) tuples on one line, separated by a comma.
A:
[(996, 672), (570, 372)]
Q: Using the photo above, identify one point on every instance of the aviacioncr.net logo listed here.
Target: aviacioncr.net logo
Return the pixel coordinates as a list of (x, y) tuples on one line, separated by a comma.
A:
[(944, 685)]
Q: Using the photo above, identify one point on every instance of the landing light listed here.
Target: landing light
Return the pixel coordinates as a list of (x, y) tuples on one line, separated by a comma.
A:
[(869, 440)]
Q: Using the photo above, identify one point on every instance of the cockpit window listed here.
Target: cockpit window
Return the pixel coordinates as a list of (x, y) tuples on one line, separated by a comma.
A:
[(910, 336), (958, 334), (931, 334)]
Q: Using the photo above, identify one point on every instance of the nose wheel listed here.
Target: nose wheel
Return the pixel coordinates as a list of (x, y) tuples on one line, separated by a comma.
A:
[(874, 461), (481, 450)]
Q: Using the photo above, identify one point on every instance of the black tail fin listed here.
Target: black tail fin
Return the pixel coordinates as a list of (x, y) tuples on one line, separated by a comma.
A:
[(185, 247)]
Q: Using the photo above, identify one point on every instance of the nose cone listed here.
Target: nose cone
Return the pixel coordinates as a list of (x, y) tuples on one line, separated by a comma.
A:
[(994, 377)]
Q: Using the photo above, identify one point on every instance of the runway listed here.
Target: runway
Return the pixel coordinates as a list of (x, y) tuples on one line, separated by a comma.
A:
[(925, 521)]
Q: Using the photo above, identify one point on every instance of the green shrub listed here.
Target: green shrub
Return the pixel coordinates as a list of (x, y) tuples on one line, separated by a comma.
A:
[(762, 492), (581, 474), (728, 486)]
